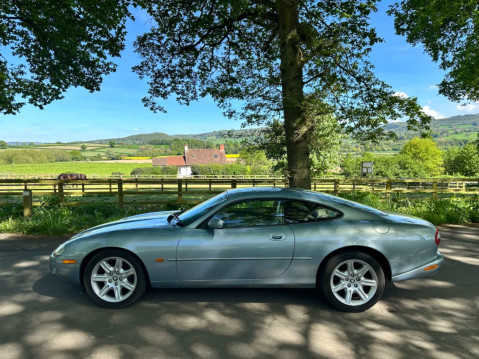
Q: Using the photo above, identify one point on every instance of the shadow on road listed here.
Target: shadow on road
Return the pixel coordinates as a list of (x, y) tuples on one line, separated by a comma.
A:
[(433, 317)]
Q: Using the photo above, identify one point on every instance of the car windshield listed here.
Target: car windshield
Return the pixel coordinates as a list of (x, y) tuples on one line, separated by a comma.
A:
[(197, 211)]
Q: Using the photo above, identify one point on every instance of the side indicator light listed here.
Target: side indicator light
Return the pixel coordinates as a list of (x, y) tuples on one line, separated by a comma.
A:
[(159, 260), (434, 266), (69, 261)]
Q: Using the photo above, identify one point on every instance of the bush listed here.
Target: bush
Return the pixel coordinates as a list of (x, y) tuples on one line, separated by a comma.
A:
[(448, 210), (232, 169), (155, 171)]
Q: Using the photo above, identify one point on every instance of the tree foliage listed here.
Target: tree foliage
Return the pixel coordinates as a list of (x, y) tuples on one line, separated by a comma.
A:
[(48, 46), (263, 60), (3, 145), (463, 161), (448, 30), (425, 152)]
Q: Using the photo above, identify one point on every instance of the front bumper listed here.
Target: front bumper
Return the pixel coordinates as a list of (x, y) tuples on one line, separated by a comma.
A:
[(422, 270), (67, 272)]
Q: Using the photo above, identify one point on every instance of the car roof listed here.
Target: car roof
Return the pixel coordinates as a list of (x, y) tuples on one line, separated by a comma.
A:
[(274, 192)]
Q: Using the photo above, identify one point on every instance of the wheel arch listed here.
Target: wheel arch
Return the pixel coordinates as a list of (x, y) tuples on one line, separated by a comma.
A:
[(383, 262), (90, 255)]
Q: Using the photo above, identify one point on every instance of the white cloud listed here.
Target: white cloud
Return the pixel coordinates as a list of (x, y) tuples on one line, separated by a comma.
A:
[(401, 94), (135, 129), (470, 107), (433, 87), (429, 111)]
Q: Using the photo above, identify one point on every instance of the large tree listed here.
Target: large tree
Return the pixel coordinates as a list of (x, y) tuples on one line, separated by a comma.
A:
[(50, 45), (262, 60), (449, 32)]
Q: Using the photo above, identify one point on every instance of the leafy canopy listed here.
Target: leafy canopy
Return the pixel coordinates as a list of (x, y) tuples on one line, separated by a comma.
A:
[(50, 45), (425, 152), (231, 51), (448, 30)]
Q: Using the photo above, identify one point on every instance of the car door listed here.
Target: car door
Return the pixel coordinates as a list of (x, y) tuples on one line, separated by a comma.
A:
[(254, 243)]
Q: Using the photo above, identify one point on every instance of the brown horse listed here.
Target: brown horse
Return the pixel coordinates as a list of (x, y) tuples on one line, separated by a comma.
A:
[(71, 176)]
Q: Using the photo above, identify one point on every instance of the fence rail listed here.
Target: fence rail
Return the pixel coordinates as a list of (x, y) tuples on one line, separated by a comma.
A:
[(153, 191)]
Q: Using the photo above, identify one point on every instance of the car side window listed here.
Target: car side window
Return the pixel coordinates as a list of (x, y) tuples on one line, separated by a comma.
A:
[(303, 212), (252, 213)]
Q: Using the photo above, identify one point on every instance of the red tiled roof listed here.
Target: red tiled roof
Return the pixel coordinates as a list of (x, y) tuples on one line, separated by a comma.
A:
[(205, 156), (159, 161), (193, 157), (177, 161)]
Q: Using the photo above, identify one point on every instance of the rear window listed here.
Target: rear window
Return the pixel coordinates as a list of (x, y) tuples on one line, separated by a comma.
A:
[(356, 205)]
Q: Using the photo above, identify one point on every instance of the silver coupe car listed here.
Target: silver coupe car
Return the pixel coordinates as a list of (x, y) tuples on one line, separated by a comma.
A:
[(253, 237)]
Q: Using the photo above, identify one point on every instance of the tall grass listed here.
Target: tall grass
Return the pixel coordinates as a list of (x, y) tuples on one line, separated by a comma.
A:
[(53, 219), (454, 210)]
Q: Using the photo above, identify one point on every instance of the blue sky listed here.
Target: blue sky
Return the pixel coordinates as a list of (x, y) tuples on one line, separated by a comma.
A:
[(117, 111)]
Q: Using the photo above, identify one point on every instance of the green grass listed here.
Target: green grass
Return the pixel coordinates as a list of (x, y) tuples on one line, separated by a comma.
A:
[(53, 219), (55, 168), (452, 210)]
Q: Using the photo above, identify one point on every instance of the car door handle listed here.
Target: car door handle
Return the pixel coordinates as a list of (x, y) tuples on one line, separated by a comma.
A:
[(277, 237)]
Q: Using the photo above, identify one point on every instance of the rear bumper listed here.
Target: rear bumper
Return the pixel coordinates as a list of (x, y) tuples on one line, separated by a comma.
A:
[(423, 270)]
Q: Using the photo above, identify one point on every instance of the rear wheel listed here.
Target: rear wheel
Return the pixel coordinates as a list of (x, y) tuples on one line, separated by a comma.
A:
[(352, 281), (114, 278)]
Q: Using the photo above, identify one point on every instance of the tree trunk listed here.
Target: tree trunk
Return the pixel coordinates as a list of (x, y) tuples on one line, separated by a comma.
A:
[(297, 149)]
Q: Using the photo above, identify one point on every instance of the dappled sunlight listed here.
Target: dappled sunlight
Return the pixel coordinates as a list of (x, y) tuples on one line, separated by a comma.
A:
[(432, 317), (9, 308), (12, 351), (26, 264), (329, 340)]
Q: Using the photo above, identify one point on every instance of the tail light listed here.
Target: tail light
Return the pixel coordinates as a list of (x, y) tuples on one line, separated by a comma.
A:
[(437, 238)]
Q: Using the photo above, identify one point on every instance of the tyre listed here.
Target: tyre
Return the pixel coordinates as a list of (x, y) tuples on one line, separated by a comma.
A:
[(114, 278), (352, 281)]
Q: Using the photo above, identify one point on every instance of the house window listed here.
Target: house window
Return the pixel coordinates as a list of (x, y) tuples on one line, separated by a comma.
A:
[(216, 156)]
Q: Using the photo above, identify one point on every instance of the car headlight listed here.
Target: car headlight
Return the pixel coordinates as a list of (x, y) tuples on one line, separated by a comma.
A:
[(59, 250)]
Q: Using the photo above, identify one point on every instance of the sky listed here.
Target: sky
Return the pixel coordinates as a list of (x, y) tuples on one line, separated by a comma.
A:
[(116, 111)]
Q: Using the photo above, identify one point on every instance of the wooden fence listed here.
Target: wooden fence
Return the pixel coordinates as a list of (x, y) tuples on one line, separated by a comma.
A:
[(160, 190)]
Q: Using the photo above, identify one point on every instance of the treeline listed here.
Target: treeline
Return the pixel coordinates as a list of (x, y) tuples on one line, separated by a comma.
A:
[(38, 156), (418, 158)]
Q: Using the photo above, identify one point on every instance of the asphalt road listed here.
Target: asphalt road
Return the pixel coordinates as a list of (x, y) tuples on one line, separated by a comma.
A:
[(433, 317)]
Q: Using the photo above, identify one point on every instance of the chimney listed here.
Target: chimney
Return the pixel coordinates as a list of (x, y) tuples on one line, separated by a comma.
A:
[(222, 147), (186, 148)]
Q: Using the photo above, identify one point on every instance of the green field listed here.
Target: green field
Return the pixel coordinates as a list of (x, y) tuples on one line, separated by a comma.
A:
[(88, 168)]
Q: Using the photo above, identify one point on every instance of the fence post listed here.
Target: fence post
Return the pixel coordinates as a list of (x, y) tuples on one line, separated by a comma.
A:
[(27, 203), (61, 196), (233, 183), (209, 184), (120, 193), (180, 194), (434, 190), (388, 189), (336, 187)]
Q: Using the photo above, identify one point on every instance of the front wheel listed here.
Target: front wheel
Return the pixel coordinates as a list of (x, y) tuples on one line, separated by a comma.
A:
[(352, 281), (114, 278)]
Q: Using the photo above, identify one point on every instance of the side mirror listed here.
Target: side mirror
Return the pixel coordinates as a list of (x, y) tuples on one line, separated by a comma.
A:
[(215, 223)]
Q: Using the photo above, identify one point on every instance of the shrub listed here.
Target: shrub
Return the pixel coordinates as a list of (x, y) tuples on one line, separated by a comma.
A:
[(155, 171)]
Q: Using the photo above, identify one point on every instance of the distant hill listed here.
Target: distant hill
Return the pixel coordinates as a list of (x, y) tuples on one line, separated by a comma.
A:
[(216, 137), (141, 139), (447, 132)]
